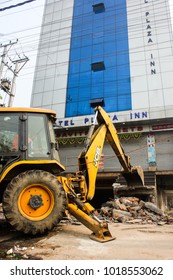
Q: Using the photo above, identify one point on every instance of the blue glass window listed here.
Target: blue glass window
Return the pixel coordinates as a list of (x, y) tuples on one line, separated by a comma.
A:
[(98, 66), (99, 57), (98, 8)]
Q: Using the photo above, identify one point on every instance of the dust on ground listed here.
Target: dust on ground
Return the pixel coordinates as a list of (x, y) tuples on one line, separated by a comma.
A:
[(70, 241)]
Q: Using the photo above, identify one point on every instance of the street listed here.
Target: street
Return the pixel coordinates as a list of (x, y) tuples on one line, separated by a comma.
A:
[(71, 242)]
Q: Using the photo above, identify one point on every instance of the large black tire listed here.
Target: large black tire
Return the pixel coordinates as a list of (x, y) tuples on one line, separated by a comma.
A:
[(34, 202)]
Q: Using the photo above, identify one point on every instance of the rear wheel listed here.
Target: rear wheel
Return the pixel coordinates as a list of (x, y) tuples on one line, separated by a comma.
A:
[(34, 202)]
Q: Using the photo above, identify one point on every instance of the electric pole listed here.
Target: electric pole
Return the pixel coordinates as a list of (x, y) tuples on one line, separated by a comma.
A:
[(5, 84), (19, 64), (4, 55)]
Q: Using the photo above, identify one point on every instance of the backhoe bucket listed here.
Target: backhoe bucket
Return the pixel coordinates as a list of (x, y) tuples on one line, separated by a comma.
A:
[(135, 178)]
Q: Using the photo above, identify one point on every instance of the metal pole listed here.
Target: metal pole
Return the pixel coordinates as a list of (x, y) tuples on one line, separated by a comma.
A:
[(13, 86), (17, 69), (4, 55)]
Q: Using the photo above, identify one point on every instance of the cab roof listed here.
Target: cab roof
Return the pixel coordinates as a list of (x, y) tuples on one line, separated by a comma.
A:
[(27, 110)]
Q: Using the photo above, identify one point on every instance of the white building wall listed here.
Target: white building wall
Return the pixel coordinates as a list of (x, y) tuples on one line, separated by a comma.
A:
[(50, 82), (151, 61), (151, 55)]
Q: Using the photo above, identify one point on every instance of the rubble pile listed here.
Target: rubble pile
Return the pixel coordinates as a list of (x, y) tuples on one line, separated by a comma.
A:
[(133, 210)]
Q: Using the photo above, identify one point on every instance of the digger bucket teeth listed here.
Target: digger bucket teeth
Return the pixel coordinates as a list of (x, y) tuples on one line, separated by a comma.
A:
[(135, 178)]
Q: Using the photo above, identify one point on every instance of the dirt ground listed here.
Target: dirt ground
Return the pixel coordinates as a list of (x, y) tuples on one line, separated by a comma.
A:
[(71, 242)]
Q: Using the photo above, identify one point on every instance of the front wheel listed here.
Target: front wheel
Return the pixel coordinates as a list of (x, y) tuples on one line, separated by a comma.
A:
[(34, 202)]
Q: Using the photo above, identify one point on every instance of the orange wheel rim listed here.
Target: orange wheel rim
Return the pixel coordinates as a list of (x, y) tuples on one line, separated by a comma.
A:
[(36, 202)]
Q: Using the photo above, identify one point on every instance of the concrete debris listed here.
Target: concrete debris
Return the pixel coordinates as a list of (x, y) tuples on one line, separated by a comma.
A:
[(10, 251), (153, 208), (16, 252), (133, 210), (25, 257), (17, 248), (69, 219)]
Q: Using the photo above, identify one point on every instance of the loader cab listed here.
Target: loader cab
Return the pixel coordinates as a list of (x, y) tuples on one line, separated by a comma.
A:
[(27, 135), (9, 131)]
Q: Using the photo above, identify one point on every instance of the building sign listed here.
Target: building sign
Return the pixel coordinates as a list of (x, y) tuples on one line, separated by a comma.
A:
[(120, 130), (151, 150), (148, 27), (149, 14), (115, 118), (162, 127)]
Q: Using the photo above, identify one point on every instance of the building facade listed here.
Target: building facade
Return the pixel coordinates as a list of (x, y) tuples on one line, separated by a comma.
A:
[(120, 52)]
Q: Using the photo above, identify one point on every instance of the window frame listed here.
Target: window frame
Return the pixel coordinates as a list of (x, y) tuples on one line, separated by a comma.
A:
[(98, 8), (98, 66)]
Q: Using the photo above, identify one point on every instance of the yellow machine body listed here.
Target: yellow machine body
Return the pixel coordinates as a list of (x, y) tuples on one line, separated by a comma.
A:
[(33, 193)]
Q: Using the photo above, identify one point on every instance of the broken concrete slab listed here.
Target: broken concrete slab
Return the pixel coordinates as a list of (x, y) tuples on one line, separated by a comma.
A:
[(134, 210)]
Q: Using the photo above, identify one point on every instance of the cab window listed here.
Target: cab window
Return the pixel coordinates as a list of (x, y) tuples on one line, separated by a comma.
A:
[(37, 137), (9, 125)]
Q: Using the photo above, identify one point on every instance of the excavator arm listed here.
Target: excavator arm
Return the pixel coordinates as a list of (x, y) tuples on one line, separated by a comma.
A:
[(90, 156), (80, 188)]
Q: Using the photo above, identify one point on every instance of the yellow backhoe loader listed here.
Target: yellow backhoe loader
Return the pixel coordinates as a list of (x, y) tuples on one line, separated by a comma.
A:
[(33, 192)]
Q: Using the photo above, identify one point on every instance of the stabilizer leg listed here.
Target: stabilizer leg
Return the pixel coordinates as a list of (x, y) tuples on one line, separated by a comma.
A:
[(100, 229)]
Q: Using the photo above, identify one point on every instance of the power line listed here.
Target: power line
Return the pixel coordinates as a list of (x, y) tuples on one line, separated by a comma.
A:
[(4, 2), (16, 5), (112, 30), (66, 19)]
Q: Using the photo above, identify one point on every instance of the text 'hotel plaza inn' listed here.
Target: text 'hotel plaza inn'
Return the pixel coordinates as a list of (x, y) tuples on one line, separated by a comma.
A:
[(119, 52)]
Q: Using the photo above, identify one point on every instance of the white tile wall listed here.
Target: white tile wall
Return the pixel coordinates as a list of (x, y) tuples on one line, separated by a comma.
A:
[(150, 91), (53, 53)]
